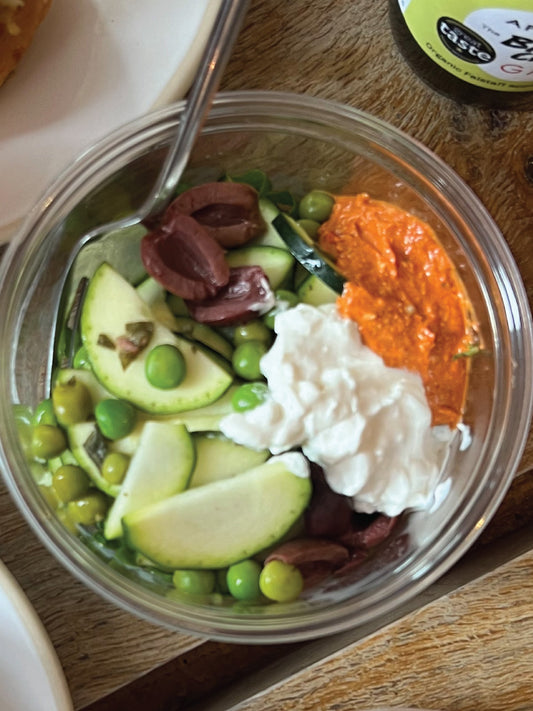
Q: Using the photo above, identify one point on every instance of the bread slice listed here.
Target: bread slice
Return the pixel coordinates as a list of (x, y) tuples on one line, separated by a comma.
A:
[(19, 20)]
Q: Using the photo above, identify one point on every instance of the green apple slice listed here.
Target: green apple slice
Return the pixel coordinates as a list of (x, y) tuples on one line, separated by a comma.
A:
[(161, 466), (218, 524)]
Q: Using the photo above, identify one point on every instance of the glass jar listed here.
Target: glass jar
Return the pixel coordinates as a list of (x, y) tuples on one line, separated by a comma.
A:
[(473, 51)]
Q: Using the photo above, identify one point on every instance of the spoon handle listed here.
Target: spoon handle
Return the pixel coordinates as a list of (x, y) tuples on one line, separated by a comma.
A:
[(215, 57)]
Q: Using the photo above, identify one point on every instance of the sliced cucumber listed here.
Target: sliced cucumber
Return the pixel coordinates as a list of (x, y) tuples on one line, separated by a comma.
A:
[(269, 238), (54, 464), (218, 524), (206, 419), (302, 247), (219, 458), (315, 292), (110, 304), (300, 275), (161, 467), (195, 331), (276, 263), (68, 458)]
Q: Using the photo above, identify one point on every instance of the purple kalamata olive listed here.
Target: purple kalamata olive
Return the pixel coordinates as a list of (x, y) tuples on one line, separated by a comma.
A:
[(247, 295), (184, 258), (228, 211), (303, 551), (329, 514), (370, 534), (315, 558)]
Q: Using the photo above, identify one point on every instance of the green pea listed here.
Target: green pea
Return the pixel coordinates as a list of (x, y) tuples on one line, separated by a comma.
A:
[(44, 413), (70, 482), (246, 359), (165, 367), (115, 418), (72, 402), (252, 331), (194, 582), (47, 441), (88, 509), (316, 205), (114, 467), (280, 581), (285, 299), (81, 359), (248, 396), (310, 226), (243, 580)]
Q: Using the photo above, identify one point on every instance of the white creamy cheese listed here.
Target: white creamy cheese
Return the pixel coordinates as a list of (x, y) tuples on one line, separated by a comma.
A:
[(367, 425)]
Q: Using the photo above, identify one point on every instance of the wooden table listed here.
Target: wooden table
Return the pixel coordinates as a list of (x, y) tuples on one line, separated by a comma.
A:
[(464, 644)]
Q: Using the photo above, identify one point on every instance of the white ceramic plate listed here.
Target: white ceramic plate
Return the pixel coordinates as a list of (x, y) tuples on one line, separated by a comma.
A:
[(93, 65), (31, 678)]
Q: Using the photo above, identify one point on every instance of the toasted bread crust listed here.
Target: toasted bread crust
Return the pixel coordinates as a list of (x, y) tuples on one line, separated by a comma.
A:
[(16, 36)]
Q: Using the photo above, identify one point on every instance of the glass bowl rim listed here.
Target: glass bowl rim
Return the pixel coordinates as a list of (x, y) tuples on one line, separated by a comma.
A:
[(293, 107)]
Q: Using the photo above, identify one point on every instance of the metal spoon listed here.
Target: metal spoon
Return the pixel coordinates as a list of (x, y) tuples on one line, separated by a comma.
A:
[(216, 54)]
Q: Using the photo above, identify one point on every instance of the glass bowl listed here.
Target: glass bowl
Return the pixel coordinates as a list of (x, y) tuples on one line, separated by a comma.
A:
[(300, 142)]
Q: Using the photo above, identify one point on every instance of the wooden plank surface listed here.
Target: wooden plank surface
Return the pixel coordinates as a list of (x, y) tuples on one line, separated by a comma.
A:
[(470, 650), (99, 646), (334, 49)]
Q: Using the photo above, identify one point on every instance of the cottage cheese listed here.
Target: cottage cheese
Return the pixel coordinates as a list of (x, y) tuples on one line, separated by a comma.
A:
[(367, 425)]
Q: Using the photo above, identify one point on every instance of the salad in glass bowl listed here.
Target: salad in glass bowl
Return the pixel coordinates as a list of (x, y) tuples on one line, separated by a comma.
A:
[(276, 410)]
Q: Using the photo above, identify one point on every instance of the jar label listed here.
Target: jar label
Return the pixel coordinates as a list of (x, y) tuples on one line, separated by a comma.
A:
[(489, 44)]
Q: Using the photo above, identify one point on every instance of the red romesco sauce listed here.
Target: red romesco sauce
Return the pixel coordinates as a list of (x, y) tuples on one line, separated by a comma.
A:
[(404, 294)]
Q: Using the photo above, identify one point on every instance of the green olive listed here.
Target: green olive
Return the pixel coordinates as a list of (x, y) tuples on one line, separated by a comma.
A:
[(243, 580), (47, 441), (24, 423), (252, 331), (22, 414), (280, 581), (248, 396), (81, 359), (70, 482), (114, 467), (246, 359), (165, 367), (49, 496), (115, 418), (44, 413), (194, 582), (66, 519), (310, 226), (285, 299), (88, 509), (72, 402), (316, 205)]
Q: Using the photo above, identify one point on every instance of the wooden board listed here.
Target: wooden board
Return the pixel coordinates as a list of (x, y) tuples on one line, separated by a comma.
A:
[(340, 50)]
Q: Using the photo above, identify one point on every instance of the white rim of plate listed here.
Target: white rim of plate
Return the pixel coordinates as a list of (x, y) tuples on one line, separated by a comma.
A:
[(43, 645)]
